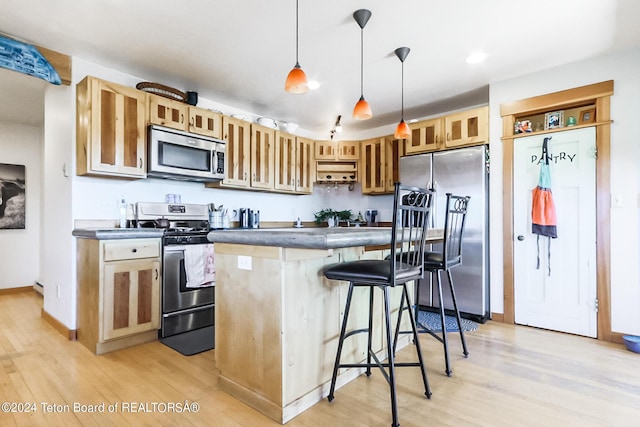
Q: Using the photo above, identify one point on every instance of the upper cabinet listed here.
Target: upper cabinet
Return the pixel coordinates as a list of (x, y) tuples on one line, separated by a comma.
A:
[(262, 157), (180, 116), (372, 168), (110, 129), (293, 164), (469, 127), (379, 164), (426, 136), (340, 150), (304, 166), (237, 161)]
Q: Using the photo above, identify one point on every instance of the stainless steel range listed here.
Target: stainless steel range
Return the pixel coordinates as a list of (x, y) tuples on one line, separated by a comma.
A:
[(188, 274)]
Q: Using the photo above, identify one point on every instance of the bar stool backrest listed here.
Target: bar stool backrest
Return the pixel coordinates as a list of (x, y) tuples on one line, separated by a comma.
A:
[(456, 213), (411, 212)]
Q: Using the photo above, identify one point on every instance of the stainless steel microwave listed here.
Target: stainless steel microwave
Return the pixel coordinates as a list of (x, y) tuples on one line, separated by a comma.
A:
[(173, 154)]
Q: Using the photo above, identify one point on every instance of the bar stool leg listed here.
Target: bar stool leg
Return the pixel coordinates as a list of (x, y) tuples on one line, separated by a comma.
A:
[(455, 306), (444, 329), (416, 340), (343, 330), (370, 332), (390, 355)]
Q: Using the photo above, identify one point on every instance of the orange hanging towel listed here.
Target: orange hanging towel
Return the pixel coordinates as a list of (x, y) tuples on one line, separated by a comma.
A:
[(543, 209)]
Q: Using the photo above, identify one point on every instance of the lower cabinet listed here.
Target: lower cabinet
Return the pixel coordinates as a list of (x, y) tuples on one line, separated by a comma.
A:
[(118, 292)]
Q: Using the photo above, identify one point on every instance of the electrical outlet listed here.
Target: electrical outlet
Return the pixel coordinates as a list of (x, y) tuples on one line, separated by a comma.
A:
[(244, 262)]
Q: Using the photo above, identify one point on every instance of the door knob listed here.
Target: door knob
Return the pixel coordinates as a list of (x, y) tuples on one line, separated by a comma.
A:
[(521, 237)]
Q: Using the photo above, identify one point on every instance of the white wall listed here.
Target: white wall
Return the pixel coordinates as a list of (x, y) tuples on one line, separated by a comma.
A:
[(623, 68), (20, 249)]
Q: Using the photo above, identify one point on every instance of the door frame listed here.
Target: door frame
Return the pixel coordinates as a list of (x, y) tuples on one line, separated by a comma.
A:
[(598, 95)]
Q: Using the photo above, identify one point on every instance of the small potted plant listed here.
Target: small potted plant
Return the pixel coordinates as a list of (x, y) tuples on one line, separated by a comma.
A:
[(332, 217)]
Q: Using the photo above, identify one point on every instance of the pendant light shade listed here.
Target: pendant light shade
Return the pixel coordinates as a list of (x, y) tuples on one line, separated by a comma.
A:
[(362, 110), (402, 130), (296, 80)]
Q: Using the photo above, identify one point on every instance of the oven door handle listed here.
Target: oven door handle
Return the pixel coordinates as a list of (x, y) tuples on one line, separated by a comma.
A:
[(189, 310)]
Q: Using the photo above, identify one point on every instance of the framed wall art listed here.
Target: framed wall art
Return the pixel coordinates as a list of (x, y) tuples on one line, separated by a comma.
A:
[(12, 196), (588, 116), (553, 120)]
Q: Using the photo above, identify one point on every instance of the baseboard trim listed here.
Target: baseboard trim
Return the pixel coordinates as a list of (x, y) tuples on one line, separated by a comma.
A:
[(497, 317), (22, 289), (71, 334)]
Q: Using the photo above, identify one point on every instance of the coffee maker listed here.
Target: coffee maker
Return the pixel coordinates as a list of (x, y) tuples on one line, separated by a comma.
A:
[(371, 215), (248, 218)]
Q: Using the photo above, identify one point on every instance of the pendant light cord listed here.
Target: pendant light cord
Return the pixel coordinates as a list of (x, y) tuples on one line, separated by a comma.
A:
[(297, 31), (361, 62), (402, 93)]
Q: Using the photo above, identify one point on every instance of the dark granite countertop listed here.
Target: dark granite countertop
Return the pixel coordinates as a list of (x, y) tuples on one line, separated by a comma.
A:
[(101, 233)]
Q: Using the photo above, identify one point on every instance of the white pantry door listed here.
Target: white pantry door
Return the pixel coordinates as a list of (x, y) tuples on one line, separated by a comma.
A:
[(564, 297)]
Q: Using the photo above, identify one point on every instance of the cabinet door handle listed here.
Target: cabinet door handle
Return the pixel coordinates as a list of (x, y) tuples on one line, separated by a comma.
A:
[(181, 118), (157, 274), (140, 163), (134, 250), (448, 137)]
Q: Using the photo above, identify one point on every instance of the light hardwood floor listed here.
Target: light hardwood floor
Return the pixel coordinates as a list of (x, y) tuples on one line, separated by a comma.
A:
[(514, 376)]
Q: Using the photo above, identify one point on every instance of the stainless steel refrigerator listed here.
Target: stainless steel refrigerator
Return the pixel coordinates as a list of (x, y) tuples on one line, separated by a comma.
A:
[(462, 172)]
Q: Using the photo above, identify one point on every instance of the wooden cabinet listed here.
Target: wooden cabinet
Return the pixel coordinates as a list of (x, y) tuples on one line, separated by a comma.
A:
[(293, 164), (237, 135), (340, 150), (426, 136), (304, 166), (372, 166), (285, 162), (110, 129), (379, 164), (395, 149), (184, 117), (469, 127), (118, 292), (262, 156), (205, 122), (167, 112)]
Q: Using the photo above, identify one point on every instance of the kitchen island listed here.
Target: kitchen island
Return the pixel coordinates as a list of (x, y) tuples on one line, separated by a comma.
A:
[(278, 318)]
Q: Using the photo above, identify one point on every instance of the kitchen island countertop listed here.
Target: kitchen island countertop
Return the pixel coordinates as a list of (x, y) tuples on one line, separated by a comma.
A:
[(309, 238), (101, 233)]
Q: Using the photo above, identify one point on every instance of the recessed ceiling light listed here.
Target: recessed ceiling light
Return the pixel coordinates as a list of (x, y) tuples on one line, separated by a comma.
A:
[(476, 58), (313, 84)]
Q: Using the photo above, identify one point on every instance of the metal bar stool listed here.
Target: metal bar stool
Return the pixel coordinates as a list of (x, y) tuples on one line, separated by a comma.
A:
[(443, 260), (411, 208)]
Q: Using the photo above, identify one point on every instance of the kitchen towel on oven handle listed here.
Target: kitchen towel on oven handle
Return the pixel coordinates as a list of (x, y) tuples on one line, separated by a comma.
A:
[(199, 265)]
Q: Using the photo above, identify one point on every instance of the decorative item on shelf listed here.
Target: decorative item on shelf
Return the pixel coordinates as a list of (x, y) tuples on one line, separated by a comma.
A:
[(588, 116), (554, 120), (192, 98), (362, 110), (571, 121), (289, 127), (402, 130), (296, 80), (523, 126), (267, 122), (162, 90), (337, 128)]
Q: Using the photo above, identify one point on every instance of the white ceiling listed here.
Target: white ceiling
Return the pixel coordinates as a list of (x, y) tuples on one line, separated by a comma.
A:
[(238, 53)]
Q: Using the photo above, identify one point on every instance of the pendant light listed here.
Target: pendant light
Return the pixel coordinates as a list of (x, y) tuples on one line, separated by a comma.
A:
[(402, 131), (362, 110), (296, 80)]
